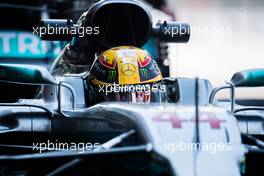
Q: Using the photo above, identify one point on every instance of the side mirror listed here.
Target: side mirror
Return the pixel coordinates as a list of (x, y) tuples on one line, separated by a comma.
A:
[(63, 25), (27, 74), (249, 78), (32, 74), (170, 32)]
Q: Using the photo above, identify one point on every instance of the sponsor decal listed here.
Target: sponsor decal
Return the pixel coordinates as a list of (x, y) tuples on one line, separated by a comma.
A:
[(16, 44), (124, 52), (144, 72), (144, 61), (108, 61), (128, 69), (111, 75), (99, 69)]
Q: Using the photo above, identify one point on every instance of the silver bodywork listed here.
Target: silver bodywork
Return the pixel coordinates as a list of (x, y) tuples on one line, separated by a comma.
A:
[(163, 126), (157, 123)]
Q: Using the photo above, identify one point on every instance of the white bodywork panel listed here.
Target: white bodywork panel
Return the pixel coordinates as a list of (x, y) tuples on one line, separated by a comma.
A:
[(171, 126)]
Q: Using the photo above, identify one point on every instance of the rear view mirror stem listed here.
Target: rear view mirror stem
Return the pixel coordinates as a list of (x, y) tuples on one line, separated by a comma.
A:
[(60, 110), (232, 96), (73, 94), (230, 86)]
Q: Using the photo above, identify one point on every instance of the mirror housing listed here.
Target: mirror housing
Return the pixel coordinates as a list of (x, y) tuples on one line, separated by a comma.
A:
[(248, 78), (25, 74), (172, 32), (130, 23), (62, 25)]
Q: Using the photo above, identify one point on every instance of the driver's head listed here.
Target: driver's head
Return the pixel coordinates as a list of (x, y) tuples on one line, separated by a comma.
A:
[(126, 74)]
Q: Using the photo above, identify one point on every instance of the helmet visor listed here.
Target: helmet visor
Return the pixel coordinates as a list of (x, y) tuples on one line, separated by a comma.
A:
[(133, 97), (143, 93)]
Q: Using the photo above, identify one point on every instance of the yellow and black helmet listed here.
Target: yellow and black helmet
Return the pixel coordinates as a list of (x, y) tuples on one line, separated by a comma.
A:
[(124, 73), (125, 65)]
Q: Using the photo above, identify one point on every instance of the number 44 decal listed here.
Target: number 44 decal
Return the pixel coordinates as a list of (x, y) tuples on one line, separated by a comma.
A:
[(176, 121)]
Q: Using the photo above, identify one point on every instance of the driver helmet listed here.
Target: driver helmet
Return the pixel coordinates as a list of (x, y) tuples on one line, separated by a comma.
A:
[(126, 74)]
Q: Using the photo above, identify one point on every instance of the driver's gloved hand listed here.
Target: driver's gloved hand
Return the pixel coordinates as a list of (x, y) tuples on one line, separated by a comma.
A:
[(80, 52), (78, 55)]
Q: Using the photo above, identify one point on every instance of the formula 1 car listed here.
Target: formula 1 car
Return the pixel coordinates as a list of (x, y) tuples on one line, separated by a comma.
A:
[(58, 133)]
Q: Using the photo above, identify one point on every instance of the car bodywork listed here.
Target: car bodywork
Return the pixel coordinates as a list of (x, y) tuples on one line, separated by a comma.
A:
[(159, 128), (190, 134)]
